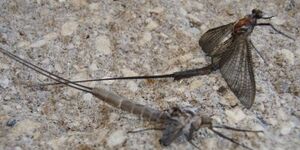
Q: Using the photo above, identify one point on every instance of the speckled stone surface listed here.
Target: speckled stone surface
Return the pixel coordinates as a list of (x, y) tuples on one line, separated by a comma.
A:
[(85, 39)]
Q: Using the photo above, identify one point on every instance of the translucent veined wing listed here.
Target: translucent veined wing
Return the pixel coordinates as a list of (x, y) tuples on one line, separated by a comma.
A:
[(237, 70), (172, 131), (220, 50), (211, 39)]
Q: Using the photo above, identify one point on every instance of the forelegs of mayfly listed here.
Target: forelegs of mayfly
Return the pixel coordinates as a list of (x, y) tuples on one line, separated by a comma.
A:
[(278, 31)]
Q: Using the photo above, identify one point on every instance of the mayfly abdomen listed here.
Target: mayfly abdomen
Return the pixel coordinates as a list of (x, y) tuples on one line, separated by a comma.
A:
[(126, 105)]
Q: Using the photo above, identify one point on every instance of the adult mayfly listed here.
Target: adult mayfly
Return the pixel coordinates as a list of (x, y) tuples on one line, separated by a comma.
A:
[(229, 47), (176, 121)]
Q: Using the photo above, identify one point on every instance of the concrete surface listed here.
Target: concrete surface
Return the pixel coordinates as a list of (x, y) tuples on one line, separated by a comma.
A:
[(85, 39)]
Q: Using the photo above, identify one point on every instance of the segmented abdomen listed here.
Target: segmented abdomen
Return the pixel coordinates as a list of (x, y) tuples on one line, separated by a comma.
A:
[(126, 105)]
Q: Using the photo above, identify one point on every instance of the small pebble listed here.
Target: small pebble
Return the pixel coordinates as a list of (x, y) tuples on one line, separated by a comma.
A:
[(151, 25), (102, 45), (182, 11), (23, 44), (296, 113), (147, 37), (196, 84), (181, 58), (199, 60), (113, 117), (4, 82), (278, 21), (272, 121), (194, 32), (18, 107), (282, 86), (210, 143), (51, 36), (87, 97), (193, 19), (79, 3), (197, 5), (157, 10), (38, 43), (288, 56), (94, 6), (281, 114), (25, 127), (235, 115), (286, 128), (171, 99), (128, 72), (17, 148), (69, 28), (215, 88), (58, 67), (116, 138), (93, 67), (11, 122), (132, 86)]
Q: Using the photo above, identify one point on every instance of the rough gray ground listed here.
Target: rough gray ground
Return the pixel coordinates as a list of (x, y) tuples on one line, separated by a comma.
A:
[(84, 39)]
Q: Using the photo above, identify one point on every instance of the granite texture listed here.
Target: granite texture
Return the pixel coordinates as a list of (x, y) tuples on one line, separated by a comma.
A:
[(86, 39)]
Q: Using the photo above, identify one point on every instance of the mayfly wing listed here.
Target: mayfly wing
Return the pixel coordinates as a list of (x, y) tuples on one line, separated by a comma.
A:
[(172, 131), (220, 50), (236, 67), (210, 40)]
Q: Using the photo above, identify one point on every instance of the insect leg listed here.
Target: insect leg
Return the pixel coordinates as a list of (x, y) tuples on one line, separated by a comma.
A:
[(230, 139), (258, 52), (280, 32), (236, 129)]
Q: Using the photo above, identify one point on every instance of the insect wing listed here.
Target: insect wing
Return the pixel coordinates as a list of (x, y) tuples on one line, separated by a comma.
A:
[(237, 70), (172, 131), (211, 39), (220, 50)]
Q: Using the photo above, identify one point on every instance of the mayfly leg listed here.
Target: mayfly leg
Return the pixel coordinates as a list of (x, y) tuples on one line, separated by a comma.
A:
[(278, 31)]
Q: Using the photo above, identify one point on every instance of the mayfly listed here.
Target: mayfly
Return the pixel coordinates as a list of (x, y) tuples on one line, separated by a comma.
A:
[(176, 121), (229, 47)]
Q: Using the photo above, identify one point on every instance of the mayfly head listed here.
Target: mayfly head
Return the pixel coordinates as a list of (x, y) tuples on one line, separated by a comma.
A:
[(183, 121), (257, 13), (179, 123), (186, 122)]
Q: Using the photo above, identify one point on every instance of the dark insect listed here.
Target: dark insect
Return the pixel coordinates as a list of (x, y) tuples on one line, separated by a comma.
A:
[(175, 121), (229, 47)]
